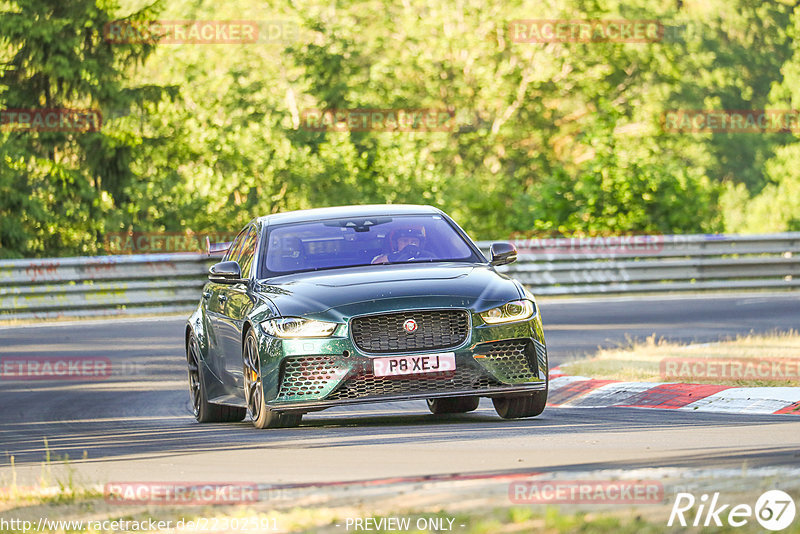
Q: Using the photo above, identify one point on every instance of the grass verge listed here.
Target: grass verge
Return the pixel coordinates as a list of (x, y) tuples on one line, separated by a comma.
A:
[(745, 361)]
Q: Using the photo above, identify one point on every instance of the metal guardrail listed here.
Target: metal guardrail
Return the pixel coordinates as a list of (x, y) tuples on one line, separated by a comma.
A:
[(163, 283), (628, 264), (102, 285)]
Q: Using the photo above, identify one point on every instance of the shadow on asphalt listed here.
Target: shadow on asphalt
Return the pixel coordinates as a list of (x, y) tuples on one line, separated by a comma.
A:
[(108, 422)]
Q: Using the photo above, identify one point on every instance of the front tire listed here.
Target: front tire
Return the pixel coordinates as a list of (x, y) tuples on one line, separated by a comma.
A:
[(453, 405), (204, 411), (260, 413), (520, 406)]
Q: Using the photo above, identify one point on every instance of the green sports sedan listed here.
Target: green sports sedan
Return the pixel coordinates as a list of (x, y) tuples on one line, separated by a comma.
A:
[(335, 306)]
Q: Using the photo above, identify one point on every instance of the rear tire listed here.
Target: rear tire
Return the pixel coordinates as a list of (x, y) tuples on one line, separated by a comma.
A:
[(517, 407), (204, 411), (453, 405), (260, 413)]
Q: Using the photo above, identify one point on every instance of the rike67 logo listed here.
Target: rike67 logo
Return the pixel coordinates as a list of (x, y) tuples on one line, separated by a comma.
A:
[(774, 510)]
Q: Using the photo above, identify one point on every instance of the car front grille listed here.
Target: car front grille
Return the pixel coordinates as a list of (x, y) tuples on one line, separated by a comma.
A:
[(513, 360), (368, 385), (436, 329), (307, 376)]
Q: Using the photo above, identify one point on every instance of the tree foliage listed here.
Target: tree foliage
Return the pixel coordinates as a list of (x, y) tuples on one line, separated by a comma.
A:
[(549, 137)]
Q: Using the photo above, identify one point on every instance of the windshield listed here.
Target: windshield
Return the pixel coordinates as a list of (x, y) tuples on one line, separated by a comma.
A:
[(352, 242)]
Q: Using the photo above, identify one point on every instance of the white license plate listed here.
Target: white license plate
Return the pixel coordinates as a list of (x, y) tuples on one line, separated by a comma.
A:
[(414, 365)]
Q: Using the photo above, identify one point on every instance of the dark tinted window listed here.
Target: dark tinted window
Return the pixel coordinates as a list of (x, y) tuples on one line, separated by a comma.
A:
[(337, 243)]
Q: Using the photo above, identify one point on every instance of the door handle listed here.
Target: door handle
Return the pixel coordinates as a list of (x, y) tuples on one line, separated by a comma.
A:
[(223, 298)]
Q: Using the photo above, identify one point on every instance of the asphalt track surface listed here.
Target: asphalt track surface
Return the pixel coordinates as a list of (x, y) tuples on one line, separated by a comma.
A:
[(137, 426)]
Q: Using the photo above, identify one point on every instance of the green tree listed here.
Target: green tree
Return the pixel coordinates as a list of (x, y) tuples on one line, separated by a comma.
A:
[(58, 187), (776, 207)]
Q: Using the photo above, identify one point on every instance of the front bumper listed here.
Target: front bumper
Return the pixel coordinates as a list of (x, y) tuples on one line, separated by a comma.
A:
[(313, 374), (309, 406)]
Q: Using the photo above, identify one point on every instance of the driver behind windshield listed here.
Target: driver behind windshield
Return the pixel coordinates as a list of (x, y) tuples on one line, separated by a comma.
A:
[(407, 244)]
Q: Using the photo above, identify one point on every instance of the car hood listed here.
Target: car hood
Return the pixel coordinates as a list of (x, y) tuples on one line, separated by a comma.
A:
[(342, 293)]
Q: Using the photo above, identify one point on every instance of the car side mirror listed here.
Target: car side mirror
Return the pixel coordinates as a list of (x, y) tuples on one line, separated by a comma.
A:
[(225, 272), (503, 253)]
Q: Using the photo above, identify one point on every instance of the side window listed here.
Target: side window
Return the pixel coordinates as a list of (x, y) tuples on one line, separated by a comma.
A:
[(236, 247), (248, 252)]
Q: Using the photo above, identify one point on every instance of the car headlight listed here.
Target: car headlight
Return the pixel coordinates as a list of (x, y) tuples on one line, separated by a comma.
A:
[(516, 310), (287, 327)]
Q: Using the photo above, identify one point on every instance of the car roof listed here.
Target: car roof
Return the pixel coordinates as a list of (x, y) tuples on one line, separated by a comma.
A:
[(369, 210)]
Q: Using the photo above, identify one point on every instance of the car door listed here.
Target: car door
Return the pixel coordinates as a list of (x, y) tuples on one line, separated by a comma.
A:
[(216, 297), (238, 304)]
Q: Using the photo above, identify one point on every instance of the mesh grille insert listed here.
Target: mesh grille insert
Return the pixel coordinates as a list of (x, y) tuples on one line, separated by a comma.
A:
[(368, 385), (436, 329), (514, 358), (307, 375)]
